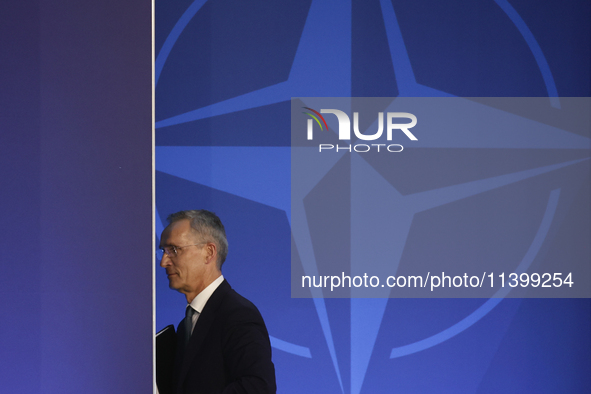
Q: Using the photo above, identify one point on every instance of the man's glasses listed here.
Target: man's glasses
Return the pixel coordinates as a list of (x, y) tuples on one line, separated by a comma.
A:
[(172, 250)]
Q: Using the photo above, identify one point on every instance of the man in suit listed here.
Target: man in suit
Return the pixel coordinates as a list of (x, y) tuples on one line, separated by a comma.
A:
[(222, 344)]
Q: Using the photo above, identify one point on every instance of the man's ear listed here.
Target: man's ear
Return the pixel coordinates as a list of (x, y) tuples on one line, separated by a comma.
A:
[(211, 252)]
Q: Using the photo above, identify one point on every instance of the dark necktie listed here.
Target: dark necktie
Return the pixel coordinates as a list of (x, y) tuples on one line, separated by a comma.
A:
[(188, 323)]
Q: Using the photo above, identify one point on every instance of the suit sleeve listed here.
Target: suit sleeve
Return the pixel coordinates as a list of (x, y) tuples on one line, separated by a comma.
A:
[(247, 355)]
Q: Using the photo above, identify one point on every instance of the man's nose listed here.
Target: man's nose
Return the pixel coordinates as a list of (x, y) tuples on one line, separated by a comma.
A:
[(165, 261)]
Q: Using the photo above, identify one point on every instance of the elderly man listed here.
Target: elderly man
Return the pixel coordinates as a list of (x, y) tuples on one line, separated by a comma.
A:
[(222, 343)]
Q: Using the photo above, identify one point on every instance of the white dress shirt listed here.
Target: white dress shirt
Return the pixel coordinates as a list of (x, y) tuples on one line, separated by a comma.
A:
[(199, 302)]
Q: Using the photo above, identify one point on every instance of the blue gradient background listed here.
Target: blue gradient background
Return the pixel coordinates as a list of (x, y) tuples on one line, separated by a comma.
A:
[(76, 183), (226, 71), (75, 119)]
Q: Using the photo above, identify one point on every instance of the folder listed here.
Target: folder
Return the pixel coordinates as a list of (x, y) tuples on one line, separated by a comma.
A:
[(165, 353)]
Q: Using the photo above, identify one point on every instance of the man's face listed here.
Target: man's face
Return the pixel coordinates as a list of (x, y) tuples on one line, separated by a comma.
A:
[(185, 270)]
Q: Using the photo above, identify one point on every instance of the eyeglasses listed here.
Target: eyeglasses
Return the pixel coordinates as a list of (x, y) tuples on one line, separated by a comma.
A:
[(172, 250)]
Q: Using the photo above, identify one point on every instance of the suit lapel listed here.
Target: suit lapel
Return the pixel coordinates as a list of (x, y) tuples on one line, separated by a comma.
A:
[(202, 327)]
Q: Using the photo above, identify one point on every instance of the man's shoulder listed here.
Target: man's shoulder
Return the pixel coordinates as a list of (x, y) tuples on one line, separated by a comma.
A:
[(236, 307)]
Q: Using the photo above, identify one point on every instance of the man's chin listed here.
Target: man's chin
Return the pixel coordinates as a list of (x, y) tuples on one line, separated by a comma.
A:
[(173, 282)]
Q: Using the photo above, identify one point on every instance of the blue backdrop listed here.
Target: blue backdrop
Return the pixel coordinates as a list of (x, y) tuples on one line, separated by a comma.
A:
[(225, 74), (75, 168), (75, 152)]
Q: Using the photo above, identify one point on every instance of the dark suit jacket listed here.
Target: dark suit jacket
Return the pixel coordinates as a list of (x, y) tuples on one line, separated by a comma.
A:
[(229, 350)]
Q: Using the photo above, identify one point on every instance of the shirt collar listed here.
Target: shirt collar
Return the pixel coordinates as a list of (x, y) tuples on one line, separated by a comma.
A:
[(199, 302)]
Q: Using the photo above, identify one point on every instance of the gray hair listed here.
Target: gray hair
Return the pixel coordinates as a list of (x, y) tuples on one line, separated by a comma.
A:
[(208, 225)]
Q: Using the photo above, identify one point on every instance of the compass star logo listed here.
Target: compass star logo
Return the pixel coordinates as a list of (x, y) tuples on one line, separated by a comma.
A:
[(355, 339)]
